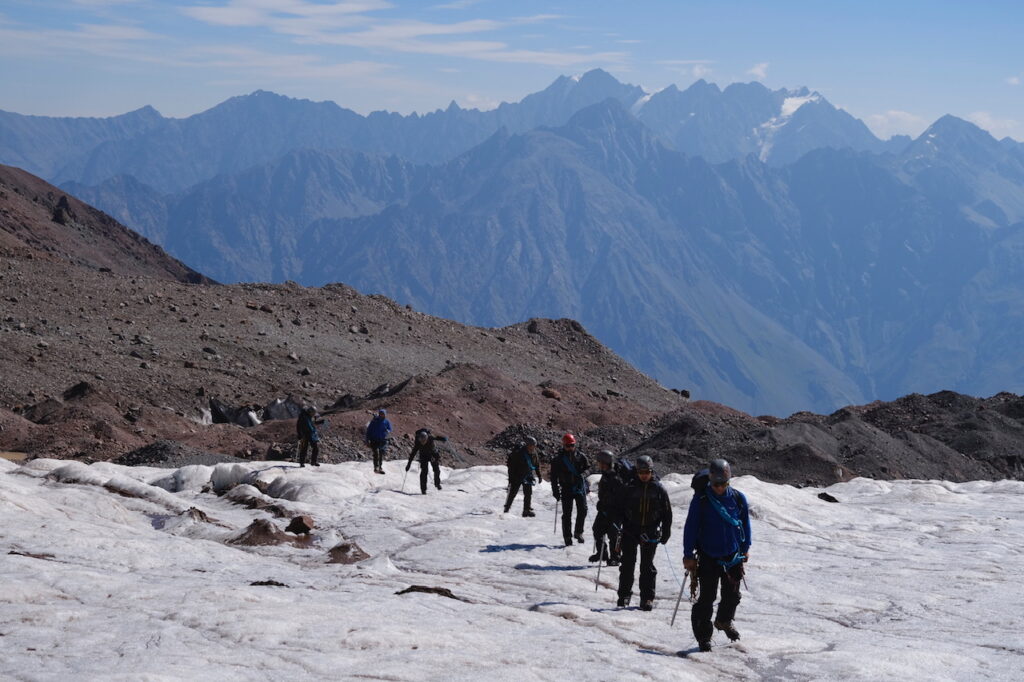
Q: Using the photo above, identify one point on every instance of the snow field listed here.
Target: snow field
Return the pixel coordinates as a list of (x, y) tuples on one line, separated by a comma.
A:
[(108, 575)]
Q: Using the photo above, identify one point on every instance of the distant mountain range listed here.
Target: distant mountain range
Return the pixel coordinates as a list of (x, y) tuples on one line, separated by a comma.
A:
[(760, 248)]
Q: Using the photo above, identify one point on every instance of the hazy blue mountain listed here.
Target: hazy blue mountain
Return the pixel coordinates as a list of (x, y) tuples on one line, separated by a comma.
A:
[(959, 165), (171, 155), (130, 202), (43, 145), (247, 226), (778, 126)]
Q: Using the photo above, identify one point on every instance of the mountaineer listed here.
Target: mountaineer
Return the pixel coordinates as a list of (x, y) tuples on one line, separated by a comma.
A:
[(377, 432), (569, 469), (308, 435), (644, 513), (428, 456), (716, 546), (523, 470)]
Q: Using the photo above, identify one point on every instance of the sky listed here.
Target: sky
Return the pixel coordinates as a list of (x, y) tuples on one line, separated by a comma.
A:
[(896, 65), (109, 575)]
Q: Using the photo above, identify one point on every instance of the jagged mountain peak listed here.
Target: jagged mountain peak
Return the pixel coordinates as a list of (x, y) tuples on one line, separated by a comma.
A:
[(147, 112), (701, 85), (950, 136), (953, 126)]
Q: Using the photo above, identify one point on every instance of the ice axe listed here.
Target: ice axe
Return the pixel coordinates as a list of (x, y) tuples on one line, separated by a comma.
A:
[(682, 588), (679, 599)]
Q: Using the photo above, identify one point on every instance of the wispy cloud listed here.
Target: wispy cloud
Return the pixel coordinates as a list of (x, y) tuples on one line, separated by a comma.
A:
[(134, 44), (999, 127), (758, 71), (350, 24), (895, 122), (104, 3), (481, 102), (286, 16), (279, 66), (108, 40), (696, 68), (1013, 80), (458, 4)]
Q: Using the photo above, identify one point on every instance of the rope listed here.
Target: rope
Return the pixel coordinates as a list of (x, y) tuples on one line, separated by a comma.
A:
[(671, 566)]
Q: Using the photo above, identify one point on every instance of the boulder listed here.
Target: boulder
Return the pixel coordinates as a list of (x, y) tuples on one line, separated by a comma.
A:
[(301, 525), (287, 408), (261, 532), (347, 553)]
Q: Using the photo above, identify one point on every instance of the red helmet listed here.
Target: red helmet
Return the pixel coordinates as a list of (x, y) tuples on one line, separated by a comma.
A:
[(568, 439)]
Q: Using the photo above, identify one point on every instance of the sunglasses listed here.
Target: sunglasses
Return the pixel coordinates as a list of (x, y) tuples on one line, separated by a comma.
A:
[(720, 485)]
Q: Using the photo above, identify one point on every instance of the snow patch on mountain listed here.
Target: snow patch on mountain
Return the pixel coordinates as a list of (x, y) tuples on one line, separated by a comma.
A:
[(791, 104), (766, 132)]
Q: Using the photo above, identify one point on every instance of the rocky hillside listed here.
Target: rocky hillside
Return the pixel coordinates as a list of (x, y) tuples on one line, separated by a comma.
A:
[(40, 221), (118, 352)]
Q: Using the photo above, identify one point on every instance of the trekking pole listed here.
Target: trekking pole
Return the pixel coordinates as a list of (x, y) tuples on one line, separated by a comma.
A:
[(600, 555), (554, 524), (679, 599), (403, 479)]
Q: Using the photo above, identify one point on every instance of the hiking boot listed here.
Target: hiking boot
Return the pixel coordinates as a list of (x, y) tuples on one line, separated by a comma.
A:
[(437, 485), (623, 602), (579, 538), (704, 645), (507, 508), (568, 542), (596, 556), (613, 562), (728, 629), (647, 605), (528, 512)]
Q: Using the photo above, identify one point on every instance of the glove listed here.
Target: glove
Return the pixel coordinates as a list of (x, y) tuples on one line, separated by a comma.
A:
[(665, 537), (690, 564), (407, 465), (556, 496)]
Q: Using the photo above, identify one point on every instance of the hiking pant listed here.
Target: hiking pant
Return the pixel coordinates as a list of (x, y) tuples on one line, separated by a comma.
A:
[(513, 489), (581, 515), (379, 449), (304, 444), (709, 574), (424, 463), (605, 536), (648, 573)]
